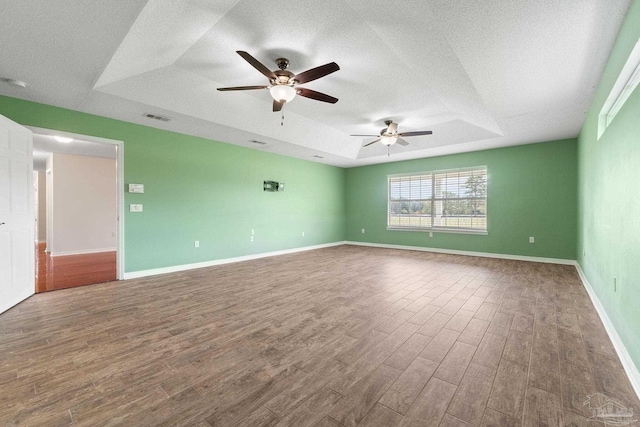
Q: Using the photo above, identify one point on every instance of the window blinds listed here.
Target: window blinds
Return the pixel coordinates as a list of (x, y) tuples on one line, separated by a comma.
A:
[(452, 199)]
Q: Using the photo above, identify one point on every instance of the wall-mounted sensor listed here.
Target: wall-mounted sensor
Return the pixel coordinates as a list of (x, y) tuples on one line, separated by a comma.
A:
[(273, 186)]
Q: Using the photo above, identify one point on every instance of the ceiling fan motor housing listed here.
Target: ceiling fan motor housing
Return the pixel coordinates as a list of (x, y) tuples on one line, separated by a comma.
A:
[(282, 63), (384, 131), (283, 77)]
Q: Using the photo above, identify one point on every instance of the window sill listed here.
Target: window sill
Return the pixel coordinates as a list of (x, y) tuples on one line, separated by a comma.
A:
[(441, 230)]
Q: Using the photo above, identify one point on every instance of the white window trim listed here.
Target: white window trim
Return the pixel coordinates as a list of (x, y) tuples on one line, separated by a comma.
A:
[(627, 81), (442, 230), (455, 230)]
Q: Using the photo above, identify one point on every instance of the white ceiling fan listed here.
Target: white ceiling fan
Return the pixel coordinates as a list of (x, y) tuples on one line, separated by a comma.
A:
[(390, 135)]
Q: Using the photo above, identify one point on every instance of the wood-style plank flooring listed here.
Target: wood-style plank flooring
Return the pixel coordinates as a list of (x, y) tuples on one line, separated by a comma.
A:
[(341, 336), (69, 271)]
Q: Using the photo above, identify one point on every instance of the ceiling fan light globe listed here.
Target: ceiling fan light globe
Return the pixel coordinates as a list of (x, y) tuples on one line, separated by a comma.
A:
[(282, 93), (389, 140)]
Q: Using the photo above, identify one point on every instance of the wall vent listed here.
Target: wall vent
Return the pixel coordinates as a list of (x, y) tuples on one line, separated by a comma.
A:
[(156, 117), (254, 141), (318, 157)]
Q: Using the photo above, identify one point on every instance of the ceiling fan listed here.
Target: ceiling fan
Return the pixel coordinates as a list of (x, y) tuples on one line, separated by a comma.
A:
[(389, 135), (283, 84)]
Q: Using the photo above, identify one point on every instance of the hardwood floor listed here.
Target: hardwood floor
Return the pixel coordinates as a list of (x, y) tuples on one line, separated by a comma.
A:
[(69, 271), (341, 336)]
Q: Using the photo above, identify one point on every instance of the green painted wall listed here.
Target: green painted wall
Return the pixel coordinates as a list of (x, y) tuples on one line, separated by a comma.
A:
[(609, 198), (197, 189), (531, 192)]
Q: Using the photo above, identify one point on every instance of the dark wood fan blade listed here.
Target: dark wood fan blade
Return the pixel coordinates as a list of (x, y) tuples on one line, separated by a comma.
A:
[(401, 141), (312, 94), (242, 88), (392, 128), (416, 133), (257, 64), (316, 73), (372, 142), (277, 105), (371, 136)]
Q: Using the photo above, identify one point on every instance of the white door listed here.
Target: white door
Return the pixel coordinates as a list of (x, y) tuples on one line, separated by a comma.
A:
[(17, 271)]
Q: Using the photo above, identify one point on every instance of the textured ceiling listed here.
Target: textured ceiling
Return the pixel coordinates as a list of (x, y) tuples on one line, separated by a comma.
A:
[(478, 74), (44, 144)]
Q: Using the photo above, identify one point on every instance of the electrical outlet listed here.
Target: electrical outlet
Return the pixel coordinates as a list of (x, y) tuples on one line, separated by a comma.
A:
[(303, 234), (196, 244), (252, 238), (431, 234), (532, 239), (363, 231), (252, 232)]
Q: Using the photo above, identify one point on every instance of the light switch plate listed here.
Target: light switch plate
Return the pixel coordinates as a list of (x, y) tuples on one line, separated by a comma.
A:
[(136, 188), (135, 208)]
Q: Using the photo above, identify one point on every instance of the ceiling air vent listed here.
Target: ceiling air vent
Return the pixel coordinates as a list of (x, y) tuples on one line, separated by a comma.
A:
[(254, 141), (156, 117), (318, 157)]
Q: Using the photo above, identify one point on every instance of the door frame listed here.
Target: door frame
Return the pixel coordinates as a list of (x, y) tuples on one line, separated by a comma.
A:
[(119, 185)]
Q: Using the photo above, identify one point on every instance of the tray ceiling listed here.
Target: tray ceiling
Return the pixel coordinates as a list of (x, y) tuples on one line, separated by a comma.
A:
[(479, 74)]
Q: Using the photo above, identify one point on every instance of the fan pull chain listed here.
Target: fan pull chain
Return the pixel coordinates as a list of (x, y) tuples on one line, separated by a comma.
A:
[(388, 150), (282, 120)]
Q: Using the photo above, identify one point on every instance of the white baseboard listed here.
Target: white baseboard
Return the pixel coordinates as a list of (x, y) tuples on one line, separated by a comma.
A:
[(629, 367), (467, 253), (83, 252), (183, 267)]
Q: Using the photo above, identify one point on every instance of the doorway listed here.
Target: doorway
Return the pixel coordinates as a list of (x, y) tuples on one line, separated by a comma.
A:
[(80, 240)]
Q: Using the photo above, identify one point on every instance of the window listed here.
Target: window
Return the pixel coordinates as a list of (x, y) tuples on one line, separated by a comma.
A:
[(452, 200), (627, 82)]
